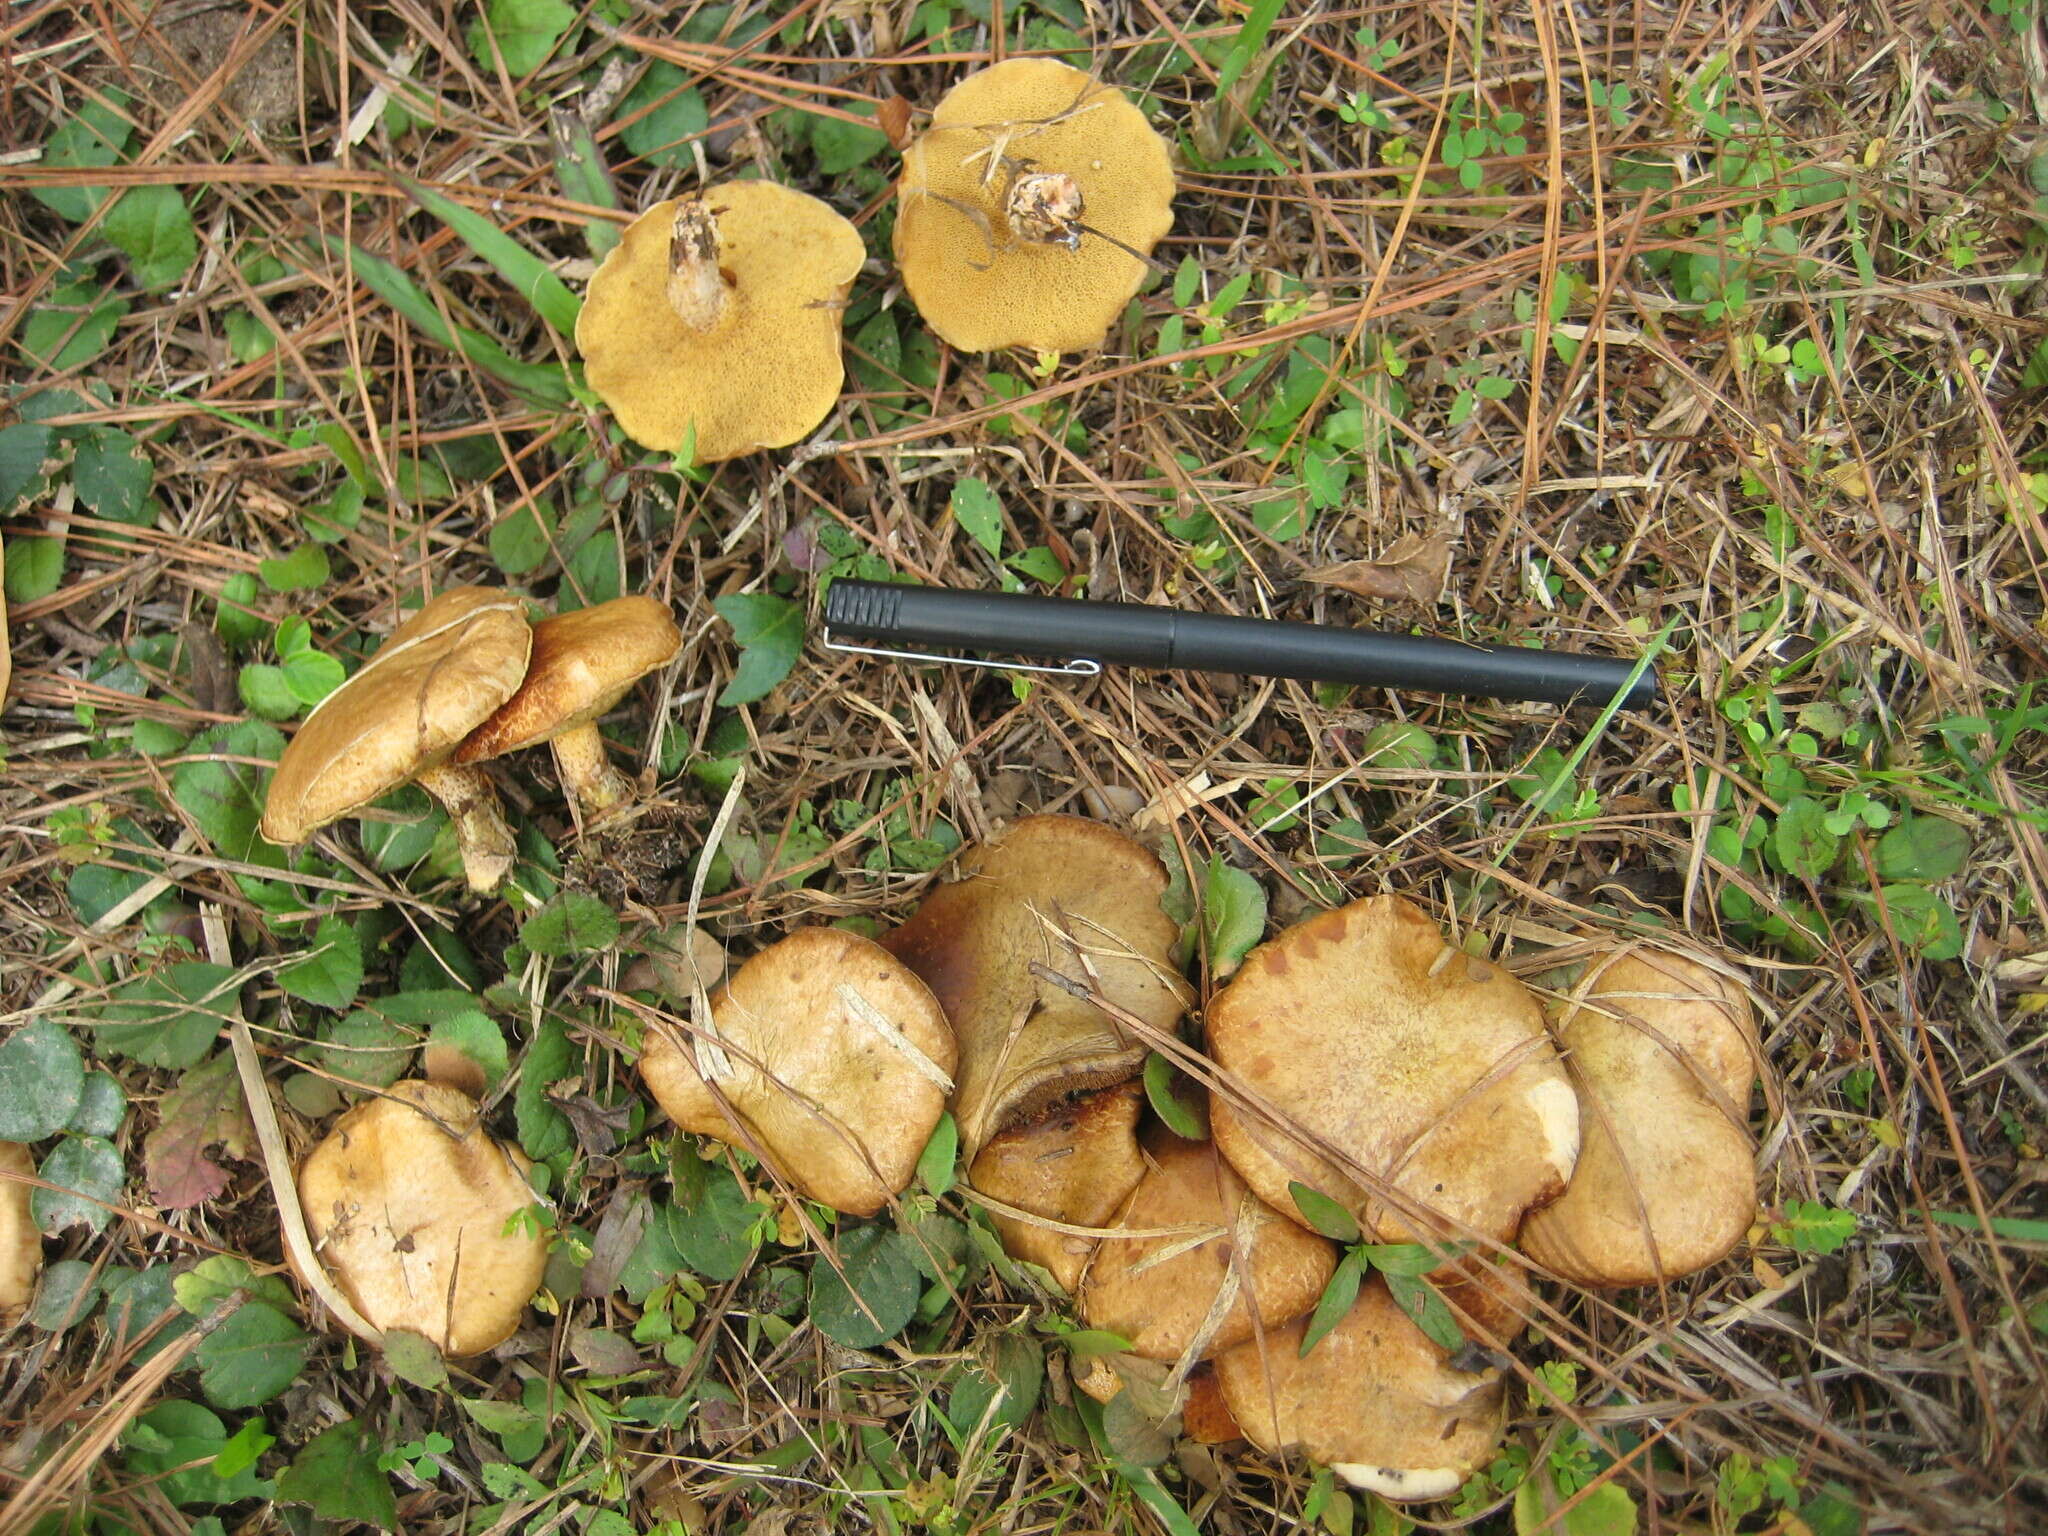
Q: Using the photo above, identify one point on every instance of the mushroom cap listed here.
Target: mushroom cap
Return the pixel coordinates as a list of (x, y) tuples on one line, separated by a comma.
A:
[(582, 664), (974, 282), (437, 678), (1205, 1417), (1076, 1165), (410, 1218), (1375, 1401), (21, 1245), (1429, 1068), (1161, 1303), (1660, 1049), (768, 370), (1047, 886), (858, 1050)]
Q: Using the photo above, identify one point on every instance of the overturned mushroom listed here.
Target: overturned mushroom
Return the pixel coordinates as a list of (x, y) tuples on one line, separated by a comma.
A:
[(582, 664), (21, 1245), (437, 678), (1074, 1167), (833, 1056), (1376, 1401), (1078, 898), (1660, 1048), (411, 1206), (1026, 211), (1428, 1068), (1218, 1266), (719, 314)]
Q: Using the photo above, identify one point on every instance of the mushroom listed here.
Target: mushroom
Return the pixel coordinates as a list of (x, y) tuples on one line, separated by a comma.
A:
[(720, 313), (1073, 1167), (411, 1204), (582, 664), (1078, 898), (833, 1057), (1026, 211), (1217, 1266), (1376, 1401), (1428, 1068), (1661, 1050), (21, 1245), (1205, 1417), (437, 678)]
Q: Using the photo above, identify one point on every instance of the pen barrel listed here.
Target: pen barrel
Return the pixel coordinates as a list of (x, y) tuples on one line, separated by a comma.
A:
[(1142, 635)]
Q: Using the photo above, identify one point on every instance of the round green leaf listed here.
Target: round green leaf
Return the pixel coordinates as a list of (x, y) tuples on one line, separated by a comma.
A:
[(88, 1175), (332, 972), (1926, 848), (312, 675), (878, 1294), (101, 1105), (570, 924), (42, 1078)]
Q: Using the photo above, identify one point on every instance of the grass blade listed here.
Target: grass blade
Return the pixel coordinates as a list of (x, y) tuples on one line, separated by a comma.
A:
[(536, 282)]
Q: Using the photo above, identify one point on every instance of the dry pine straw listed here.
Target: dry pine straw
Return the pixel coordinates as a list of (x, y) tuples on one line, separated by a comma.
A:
[(1892, 1368)]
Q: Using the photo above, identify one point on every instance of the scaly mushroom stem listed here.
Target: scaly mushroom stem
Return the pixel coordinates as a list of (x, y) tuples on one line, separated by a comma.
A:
[(696, 287), (1045, 207), (480, 831), (594, 786)]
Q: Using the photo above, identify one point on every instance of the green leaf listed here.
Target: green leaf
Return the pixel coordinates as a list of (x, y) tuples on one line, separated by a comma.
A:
[(1607, 1510), (710, 1229), (571, 924), (337, 1475), (1419, 1299), (1168, 1105), (935, 1164), (477, 1037), (222, 793), (92, 137), (1924, 922), (312, 675), (533, 277), (413, 1358), (265, 693), (1927, 848), (2018, 1229), (519, 541), (235, 615), (878, 1293), (525, 32), (1233, 915), (544, 1131), (42, 1080), (73, 325), (113, 476), (1801, 840), (35, 567), (593, 572), (365, 1047), (840, 146), (1336, 1299), (178, 1448), (101, 1106), (1813, 1226), (677, 116), (25, 449), (305, 567), (153, 228), (1323, 1213), (333, 973), (88, 1175), (1404, 1258), (979, 510), (167, 1018), (580, 168), (770, 633), (253, 1356)]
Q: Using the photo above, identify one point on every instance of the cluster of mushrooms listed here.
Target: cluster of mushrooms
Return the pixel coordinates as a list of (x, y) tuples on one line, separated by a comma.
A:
[(466, 679), (1358, 1054), (1027, 212)]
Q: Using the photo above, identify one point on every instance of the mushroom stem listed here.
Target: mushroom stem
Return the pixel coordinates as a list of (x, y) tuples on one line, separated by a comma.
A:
[(696, 287), (594, 785), (480, 831)]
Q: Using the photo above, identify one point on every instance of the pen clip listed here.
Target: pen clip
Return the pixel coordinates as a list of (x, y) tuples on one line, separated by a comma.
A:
[(1080, 666)]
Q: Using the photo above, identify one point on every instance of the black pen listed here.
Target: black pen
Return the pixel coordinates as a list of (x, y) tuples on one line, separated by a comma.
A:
[(1083, 634)]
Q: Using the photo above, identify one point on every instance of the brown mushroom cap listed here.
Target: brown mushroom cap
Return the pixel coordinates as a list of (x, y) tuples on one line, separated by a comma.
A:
[(1429, 1068), (407, 1202), (767, 369), (984, 281), (840, 1060), (437, 678), (21, 1245), (1159, 1292), (1205, 1417), (1076, 1166), (1048, 887), (582, 664), (1375, 1401), (1661, 1050)]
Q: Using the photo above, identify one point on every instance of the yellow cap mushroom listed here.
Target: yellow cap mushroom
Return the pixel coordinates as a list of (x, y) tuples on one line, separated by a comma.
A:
[(1026, 210), (1073, 1168), (439, 676), (720, 312), (21, 1245), (410, 1205), (582, 664)]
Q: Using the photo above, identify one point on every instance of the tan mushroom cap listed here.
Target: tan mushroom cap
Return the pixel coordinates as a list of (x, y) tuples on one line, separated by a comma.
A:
[(21, 1245), (1075, 1166), (583, 663), (437, 678), (1047, 888), (1661, 1050), (407, 1202), (980, 280), (839, 1064), (1375, 1401), (766, 368), (1430, 1069), (1167, 1297), (1205, 1417)]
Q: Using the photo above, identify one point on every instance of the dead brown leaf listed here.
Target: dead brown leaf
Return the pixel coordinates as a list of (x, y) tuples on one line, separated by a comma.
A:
[(1411, 570)]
